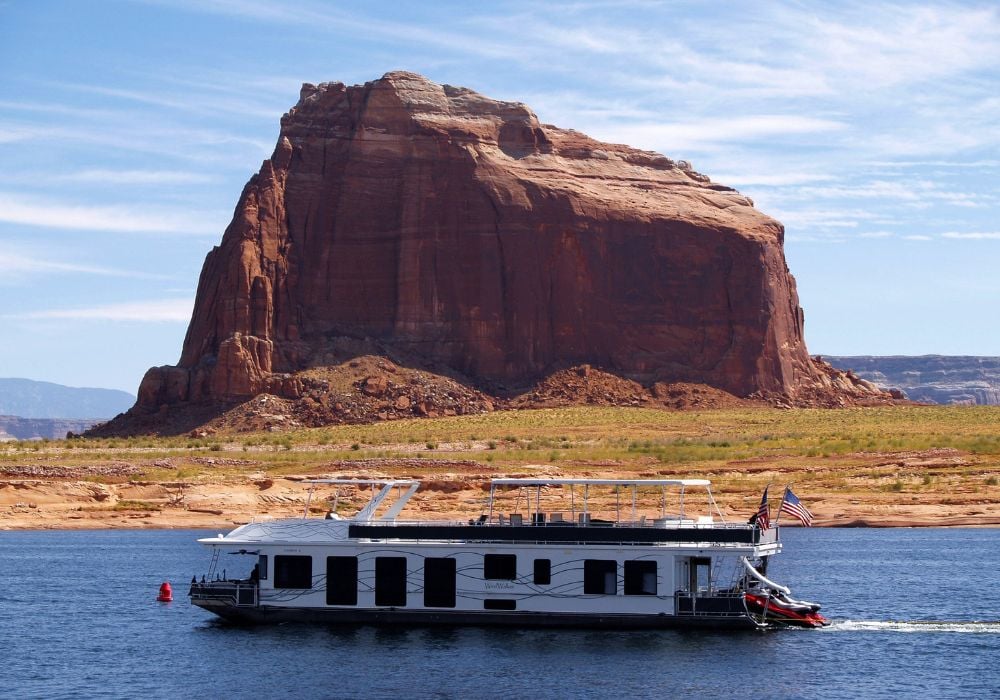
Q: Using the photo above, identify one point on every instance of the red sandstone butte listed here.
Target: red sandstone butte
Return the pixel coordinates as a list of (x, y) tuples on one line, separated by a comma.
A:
[(459, 229)]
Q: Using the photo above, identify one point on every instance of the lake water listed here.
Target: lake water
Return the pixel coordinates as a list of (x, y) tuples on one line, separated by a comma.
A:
[(915, 613)]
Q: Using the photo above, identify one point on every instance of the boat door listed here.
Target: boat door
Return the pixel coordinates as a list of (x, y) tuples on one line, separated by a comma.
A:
[(694, 575)]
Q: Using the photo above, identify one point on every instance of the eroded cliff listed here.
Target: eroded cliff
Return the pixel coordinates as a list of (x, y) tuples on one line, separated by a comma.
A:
[(441, 227)]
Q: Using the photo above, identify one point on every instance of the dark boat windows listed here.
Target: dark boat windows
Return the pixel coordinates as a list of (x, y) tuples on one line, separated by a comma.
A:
[(500, 567), (543, 572), (292, 571), (262, 567), (390, 581), (494, 604), (600, 576), (640, 578), (439, 583), (341, 580)]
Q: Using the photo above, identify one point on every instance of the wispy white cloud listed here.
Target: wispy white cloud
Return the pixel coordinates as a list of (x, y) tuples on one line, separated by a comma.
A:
[(136, 177), (12, 133), (134, 135), (973, 235), (917, 193), (686, 135), (201, 102), (13, 264), (770, 179), (917, 237), (327, 18), (153, 311), (75, 111), (808, 219), (876, 234), (974, 164), (34, 211)]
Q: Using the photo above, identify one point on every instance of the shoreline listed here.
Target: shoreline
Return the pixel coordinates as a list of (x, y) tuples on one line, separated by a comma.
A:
[(193, 520), (224, 501), (953, 524), (887, 467)]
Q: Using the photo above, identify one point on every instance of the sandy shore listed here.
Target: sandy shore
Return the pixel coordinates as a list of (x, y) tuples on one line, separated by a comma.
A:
[(226, 501)]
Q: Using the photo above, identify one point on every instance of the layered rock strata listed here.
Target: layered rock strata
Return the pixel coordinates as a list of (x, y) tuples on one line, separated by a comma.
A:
[(449, 227), (941, 379)]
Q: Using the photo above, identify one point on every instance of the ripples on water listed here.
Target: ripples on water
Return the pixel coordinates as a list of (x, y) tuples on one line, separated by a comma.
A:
[(930, 627), (915, 613)]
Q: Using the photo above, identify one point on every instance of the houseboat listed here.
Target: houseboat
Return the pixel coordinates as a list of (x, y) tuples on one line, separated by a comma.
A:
[(618, 553)]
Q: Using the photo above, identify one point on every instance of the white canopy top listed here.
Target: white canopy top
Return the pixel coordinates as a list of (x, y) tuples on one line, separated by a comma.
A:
[(600, 482)]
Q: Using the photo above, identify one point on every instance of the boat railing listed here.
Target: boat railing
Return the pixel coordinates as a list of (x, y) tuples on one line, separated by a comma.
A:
[(241, 593), (594, 522)]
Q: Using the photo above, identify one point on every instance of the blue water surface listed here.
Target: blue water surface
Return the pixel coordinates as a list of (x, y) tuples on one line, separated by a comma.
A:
[(916, 613)]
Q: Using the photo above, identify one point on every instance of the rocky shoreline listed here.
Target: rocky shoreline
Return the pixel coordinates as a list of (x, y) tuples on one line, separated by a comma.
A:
[(54, 498)]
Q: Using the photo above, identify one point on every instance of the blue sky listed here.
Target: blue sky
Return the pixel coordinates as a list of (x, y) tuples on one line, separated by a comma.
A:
[(128, 129)]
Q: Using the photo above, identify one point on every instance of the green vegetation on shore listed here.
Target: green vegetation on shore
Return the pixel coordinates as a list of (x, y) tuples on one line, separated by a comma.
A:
[(730, 444)]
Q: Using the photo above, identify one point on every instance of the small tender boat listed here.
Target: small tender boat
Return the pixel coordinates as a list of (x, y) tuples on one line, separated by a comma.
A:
[(619, 553), (780, 608)]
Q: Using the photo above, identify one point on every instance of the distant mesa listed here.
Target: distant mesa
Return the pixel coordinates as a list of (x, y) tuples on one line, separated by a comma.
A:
[(32, 399), (18, 428), (939, 379), (455, 237), (34, 410)]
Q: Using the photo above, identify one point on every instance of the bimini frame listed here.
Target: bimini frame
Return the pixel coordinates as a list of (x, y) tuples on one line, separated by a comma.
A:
[(632, 484)]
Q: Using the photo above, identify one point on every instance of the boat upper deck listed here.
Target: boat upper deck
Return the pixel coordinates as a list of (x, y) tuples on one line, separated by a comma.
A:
[(542, 511)]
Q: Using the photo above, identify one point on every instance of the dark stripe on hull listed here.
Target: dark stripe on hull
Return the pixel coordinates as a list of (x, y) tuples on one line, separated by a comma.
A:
[(385, 616), (552, 534)]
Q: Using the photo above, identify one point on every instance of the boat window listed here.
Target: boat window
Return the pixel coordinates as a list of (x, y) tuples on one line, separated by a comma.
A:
[(701, 574), (640, 578), (292, 571), (500, 566), (341, 580), (390, 581), (543, 572), (600, 576), (499, 604), (262, 567), (439, 583)]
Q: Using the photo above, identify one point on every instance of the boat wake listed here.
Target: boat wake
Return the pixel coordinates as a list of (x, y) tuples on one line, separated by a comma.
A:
[(936, 626)]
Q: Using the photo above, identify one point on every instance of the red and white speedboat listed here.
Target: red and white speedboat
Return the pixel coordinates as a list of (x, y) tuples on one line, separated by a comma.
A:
[(773, 603)]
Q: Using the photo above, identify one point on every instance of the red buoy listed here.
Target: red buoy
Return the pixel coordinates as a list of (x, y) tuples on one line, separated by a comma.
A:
[(166, 594)]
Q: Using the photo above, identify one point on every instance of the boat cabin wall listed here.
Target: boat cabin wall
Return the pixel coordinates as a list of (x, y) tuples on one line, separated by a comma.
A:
[(452, 576)]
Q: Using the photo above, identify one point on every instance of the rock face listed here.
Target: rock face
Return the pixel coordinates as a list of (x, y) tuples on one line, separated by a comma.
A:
[(966, 380), (459, 230)]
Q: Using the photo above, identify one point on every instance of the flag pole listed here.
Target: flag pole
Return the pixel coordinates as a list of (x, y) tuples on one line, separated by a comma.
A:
[(778, 516), (767, 490)]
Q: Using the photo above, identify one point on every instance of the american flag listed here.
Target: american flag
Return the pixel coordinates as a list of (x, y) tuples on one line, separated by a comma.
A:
[(791, 504), (764, 511)]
